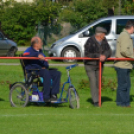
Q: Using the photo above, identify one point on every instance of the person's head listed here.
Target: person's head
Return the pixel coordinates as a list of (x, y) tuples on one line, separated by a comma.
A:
[(100, 33), (130, 26), (36, 43)]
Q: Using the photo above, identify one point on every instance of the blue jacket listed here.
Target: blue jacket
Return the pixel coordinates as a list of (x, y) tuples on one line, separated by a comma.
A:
[(34, 64)]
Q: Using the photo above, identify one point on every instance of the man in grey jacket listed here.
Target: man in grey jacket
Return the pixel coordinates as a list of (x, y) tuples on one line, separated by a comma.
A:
[(124, 49), (96, 47)]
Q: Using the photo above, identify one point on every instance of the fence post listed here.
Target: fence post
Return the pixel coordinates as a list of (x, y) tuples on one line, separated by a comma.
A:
[(100, 83)]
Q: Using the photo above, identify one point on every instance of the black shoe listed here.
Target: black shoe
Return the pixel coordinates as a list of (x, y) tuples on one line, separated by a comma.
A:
[(96, 104), (47, 100), (47, 104), (53, 98)]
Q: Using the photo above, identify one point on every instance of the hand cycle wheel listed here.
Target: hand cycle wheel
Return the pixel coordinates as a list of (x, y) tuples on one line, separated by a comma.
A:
[(73, 98), (18, 96)]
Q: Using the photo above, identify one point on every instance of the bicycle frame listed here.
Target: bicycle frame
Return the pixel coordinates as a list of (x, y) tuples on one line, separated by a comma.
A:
[(60, 99), (70, 85), (29, 92)]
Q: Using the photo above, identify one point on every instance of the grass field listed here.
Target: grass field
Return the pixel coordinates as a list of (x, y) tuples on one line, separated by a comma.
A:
[(60, 119)]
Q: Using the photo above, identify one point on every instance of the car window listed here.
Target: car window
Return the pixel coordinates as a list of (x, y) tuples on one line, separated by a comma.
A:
[(120, 25), (76, 31), (105, 24)]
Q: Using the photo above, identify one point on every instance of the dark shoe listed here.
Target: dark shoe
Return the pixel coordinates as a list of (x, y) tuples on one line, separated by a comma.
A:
[(47, 100), (54, 98), (96, 104), (128, 106), (47, 104)]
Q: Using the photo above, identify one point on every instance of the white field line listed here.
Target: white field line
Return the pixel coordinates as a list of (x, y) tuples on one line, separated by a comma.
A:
[(23, 115)]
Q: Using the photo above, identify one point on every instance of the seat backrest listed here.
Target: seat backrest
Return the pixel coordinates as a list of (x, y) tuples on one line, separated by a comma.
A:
[(23, 67)]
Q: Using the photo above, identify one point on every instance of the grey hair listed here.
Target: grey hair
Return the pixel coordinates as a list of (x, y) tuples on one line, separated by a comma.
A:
[(34, 41)]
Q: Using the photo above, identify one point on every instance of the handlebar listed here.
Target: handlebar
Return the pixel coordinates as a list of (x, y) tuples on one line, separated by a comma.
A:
[(71, 66)]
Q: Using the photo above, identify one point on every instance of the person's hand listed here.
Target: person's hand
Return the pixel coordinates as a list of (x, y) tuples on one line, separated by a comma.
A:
[(102, 58), (45, 59), (41, 57)]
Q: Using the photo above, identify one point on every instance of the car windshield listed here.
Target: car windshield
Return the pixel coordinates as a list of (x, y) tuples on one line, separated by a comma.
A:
[(76, 31)]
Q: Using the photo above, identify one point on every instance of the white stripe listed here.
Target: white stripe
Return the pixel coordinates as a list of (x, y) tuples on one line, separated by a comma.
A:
[(22, 115)]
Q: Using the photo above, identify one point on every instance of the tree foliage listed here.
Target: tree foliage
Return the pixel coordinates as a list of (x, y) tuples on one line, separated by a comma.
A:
[(128, 7), (82, 12), (19, 20)]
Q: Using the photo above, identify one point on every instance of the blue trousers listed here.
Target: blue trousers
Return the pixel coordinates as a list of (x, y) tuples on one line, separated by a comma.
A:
[(124, 85), (48, 88)]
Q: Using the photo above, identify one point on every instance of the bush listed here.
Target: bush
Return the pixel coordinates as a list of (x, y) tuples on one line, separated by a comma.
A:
[(81, 12), (19, 20)]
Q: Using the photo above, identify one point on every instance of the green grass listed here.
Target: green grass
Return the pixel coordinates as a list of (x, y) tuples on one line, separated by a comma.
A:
[(60, 119)]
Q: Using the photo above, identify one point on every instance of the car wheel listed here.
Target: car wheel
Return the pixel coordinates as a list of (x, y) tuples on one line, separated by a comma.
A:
[(70, 52), (11, 52)]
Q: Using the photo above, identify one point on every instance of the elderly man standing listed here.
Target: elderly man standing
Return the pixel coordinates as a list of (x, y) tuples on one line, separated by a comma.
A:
[(96, 47), (124, 49), (49, 90)]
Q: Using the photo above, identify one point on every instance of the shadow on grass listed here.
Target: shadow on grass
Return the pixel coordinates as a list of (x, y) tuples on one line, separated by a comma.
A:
[(2, 99), (46, 105), (103, 99)]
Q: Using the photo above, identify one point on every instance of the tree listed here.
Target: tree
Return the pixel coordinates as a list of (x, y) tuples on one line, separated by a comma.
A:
[(82, 12), (128, 7), (19, 20)]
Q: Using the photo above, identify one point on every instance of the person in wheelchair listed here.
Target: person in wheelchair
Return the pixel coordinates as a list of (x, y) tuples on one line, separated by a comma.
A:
[(51, 78)]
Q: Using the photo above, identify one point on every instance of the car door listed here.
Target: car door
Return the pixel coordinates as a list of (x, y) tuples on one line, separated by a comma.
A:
[(120, 25), (3, 45), (107, 24)]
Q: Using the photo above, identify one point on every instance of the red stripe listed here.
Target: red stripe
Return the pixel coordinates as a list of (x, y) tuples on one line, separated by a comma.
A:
[(27, 53)]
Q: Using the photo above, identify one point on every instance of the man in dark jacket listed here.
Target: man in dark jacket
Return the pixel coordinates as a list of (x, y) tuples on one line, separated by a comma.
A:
[(96, 47), (35, 50)]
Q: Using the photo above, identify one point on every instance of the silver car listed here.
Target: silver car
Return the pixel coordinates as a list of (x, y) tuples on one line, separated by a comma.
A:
[(73, 45), (7, 47)]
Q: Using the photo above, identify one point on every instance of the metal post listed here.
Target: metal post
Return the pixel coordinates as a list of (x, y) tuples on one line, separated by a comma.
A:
[(100, 83)]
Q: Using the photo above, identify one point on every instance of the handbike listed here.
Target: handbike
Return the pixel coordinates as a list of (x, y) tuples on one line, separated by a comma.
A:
[(23, 93)]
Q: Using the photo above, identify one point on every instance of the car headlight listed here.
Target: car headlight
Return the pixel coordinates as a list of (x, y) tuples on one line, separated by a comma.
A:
[(59, 43), (52, 45), (56, 44)]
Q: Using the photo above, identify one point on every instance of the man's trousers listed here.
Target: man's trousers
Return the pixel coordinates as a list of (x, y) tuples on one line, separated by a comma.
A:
[(51, 82), (93, 75), (124, 85)]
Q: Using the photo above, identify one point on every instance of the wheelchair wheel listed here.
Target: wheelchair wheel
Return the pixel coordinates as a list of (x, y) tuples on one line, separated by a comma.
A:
[(73, 98), (19, 96)]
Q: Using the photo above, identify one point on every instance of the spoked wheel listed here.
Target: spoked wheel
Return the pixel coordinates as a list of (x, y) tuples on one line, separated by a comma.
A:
[(73, 98), (19, 96)]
